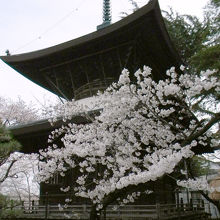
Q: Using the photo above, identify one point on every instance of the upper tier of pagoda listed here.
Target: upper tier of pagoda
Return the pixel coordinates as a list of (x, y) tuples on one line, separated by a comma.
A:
[(80, 67)]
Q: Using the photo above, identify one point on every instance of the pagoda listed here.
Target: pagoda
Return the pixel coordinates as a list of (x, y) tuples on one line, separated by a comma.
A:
[(78, 68)]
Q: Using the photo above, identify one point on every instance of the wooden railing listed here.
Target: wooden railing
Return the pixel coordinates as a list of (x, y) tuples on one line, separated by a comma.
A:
[(92, 88), (158, 211)]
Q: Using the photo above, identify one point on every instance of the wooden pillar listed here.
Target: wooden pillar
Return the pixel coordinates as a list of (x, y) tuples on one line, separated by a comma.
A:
[(119, 59), (158, 211), (102, 67), (71, 79), (46, 206), (84, 70)]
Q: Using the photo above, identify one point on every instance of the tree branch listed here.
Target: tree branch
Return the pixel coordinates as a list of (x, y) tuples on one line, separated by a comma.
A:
[(194, 136), (7, 172), (191, 175)]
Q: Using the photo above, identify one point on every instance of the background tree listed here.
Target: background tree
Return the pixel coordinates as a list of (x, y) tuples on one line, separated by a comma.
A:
[(16, 170), (23, 186), (17, 112), (6, 208), (187, 33), (12, 113), (212, 18), (135, 7), (7, 146), (197, 41)]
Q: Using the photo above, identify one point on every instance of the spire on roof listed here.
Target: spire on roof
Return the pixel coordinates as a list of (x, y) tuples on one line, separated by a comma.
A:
[(106, 11), (8, 52), (106, 14)]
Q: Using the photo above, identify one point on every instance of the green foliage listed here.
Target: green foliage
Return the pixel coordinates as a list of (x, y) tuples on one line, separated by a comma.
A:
[(197, 41), (11, 214), (8, 208), (7, 144), (207, 58), (3, 201), (199, 166), (187, 33), (212, 19)]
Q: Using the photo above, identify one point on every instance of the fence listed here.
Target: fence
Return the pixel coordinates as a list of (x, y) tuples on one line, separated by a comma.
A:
[(93, 87), (158, 211)]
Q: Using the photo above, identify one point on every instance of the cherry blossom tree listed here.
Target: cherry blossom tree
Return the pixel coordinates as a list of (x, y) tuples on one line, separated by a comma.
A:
[(21, 183), (16, 112), (15, 173), (139, 131), (12, 113)]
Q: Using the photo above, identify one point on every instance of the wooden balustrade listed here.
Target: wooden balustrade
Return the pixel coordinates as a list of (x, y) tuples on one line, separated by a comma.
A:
[(92, 88), (158, 211)]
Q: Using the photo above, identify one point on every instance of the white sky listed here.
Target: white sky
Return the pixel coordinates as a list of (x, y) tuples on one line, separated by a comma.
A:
[(27, 25)]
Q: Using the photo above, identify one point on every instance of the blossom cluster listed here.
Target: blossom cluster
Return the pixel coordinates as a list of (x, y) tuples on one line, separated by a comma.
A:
[(196, 184), (141, 132)]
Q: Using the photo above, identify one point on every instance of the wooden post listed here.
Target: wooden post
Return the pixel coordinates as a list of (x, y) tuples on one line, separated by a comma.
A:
[(22, 206), (46, 206), (191, 205), (11, 204), (32, 206), (203, 204), (181, 204), (158, 211), (104, 213), (85, 211), (178, 204), (177, 199), (198, 204)]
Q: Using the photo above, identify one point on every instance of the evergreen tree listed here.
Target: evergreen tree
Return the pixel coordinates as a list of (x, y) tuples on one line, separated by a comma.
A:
[(187, 33), (197, 41), (209, 55), (7, 146)]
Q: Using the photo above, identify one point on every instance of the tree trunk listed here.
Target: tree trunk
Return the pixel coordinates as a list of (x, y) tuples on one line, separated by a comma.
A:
[(214, 202), (205, 195), (94, 214)]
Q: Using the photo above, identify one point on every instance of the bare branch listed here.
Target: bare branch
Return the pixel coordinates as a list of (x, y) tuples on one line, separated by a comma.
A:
[(8, 171)]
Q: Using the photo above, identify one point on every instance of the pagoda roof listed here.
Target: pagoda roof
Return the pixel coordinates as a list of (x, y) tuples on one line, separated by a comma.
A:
[(33, 136), (139, 39)]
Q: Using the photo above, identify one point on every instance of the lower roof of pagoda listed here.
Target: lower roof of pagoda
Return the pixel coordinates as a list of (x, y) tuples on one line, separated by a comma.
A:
[(72, 68), (33, 136)]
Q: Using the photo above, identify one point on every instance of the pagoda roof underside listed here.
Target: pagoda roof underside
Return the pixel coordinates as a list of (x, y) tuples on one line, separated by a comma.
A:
[(139, 39)]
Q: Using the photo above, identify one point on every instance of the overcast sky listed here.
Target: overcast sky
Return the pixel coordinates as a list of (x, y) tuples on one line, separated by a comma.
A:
[(27, 25)]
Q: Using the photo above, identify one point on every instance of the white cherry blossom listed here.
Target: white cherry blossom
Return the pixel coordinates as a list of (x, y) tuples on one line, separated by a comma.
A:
[(140, 130)]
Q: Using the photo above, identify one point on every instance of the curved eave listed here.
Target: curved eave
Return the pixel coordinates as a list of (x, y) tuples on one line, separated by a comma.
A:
[(145, 24), (94, 36), (33, 136)]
